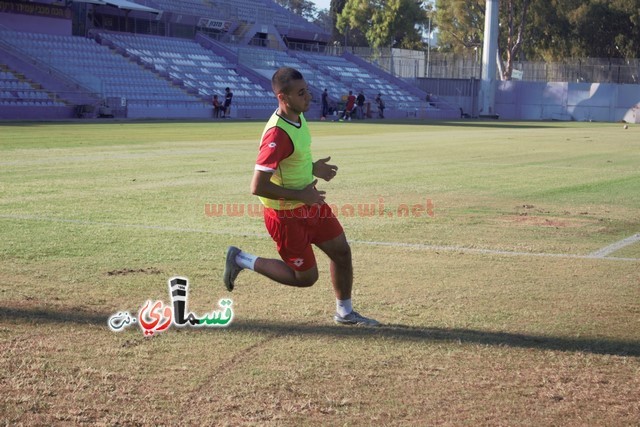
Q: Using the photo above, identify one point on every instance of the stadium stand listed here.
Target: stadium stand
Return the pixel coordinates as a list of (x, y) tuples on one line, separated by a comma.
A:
[(357, 79), (187, 7), (266, 12), (241, 11), (144, 75), (193, 67), (166, 58), (100, 70), (266, 61), (338, 75), (15, 90)]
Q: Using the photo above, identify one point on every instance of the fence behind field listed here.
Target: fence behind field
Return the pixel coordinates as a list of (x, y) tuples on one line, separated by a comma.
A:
[(411, 64)]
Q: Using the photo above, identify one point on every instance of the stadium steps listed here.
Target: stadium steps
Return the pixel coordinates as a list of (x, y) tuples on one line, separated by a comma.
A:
[(242, 30), (137, 60), (194, 66), (32, 87)]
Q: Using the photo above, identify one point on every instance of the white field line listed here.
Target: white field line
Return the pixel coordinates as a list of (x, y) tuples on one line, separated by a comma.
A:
[(421, 246), (520, 165), (462, 249), (50, 159), (138, 226), (604, 252)]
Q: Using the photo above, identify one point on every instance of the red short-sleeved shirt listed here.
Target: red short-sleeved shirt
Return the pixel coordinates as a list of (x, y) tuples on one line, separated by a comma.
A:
[(351, 101), (276, 146)]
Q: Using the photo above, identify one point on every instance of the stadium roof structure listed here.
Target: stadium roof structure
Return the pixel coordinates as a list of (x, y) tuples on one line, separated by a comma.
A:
[(85, 1), (121, 4)]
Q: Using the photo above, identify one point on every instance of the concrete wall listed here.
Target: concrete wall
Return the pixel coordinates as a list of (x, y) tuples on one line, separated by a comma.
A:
[(601, 102), (17, 112), (35, 24), (167, 112)]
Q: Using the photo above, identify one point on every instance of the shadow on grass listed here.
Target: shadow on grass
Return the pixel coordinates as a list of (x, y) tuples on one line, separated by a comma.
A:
[(37, 316), (463, 336), (391, 331)]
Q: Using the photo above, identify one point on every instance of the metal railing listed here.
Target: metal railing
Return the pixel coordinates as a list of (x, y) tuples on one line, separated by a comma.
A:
[(455, 66)]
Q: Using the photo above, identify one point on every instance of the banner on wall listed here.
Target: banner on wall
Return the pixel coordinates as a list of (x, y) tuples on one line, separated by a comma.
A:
[(214, 24), (34, 9)]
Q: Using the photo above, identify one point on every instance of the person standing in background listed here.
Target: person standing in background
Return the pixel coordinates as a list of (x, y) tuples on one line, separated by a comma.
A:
[(228, 97), (325, 105), (360, 103), (217, 106), (380, 104)]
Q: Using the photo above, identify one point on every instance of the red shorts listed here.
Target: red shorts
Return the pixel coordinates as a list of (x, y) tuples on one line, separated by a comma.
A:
[(295, 230)]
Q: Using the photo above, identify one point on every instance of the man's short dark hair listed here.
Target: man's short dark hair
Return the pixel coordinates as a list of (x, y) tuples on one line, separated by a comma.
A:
[(283, 77)]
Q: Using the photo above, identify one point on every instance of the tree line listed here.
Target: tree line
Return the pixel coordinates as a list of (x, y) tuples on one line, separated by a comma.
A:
[(539, 30)]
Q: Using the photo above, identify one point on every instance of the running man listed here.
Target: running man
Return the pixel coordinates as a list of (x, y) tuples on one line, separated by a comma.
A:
[(295, 213)]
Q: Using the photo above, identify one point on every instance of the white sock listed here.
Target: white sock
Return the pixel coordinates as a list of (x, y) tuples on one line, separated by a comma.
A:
[(343, 307), (246, 260)]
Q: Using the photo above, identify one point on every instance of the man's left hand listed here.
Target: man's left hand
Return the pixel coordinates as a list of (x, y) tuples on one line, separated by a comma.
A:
[(323, 170)]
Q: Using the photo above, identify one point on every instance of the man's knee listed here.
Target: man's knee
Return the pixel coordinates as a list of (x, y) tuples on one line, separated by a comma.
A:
[(305, 279), (342, 254), (338, 250)]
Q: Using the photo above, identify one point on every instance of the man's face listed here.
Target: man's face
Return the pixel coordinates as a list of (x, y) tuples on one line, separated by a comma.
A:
[(298, 97)]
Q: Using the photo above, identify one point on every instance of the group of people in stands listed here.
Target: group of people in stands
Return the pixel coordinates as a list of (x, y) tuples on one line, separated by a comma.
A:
[(222, 107), (353, 105)]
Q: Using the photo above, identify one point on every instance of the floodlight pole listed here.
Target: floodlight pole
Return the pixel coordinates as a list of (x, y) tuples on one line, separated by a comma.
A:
[(489, 60), (429, 50)]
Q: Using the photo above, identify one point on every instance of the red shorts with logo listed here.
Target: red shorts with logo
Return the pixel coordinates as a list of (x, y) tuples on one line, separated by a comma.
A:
[(295, 230)]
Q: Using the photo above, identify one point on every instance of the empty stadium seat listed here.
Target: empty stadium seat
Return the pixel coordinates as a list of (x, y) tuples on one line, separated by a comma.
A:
[(95, 67), (194, 66), (19, 93)]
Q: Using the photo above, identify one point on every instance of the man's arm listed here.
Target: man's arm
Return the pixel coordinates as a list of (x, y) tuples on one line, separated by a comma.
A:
[(262, 186)]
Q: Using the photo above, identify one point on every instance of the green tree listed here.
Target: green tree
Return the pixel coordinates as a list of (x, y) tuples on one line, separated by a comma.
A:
[(461, 24), (351, 36), (628, 43), (324, 21), (395, 23), (550, 33), (307, 9), (545, 29), (335, 9), (304, 8), (606, 30), (516, 19)]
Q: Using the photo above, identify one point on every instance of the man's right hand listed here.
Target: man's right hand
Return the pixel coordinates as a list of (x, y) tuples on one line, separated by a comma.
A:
[(309, 195)]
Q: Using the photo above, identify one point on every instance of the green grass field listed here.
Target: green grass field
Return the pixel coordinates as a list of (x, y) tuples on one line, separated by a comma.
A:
[(514, 299)]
